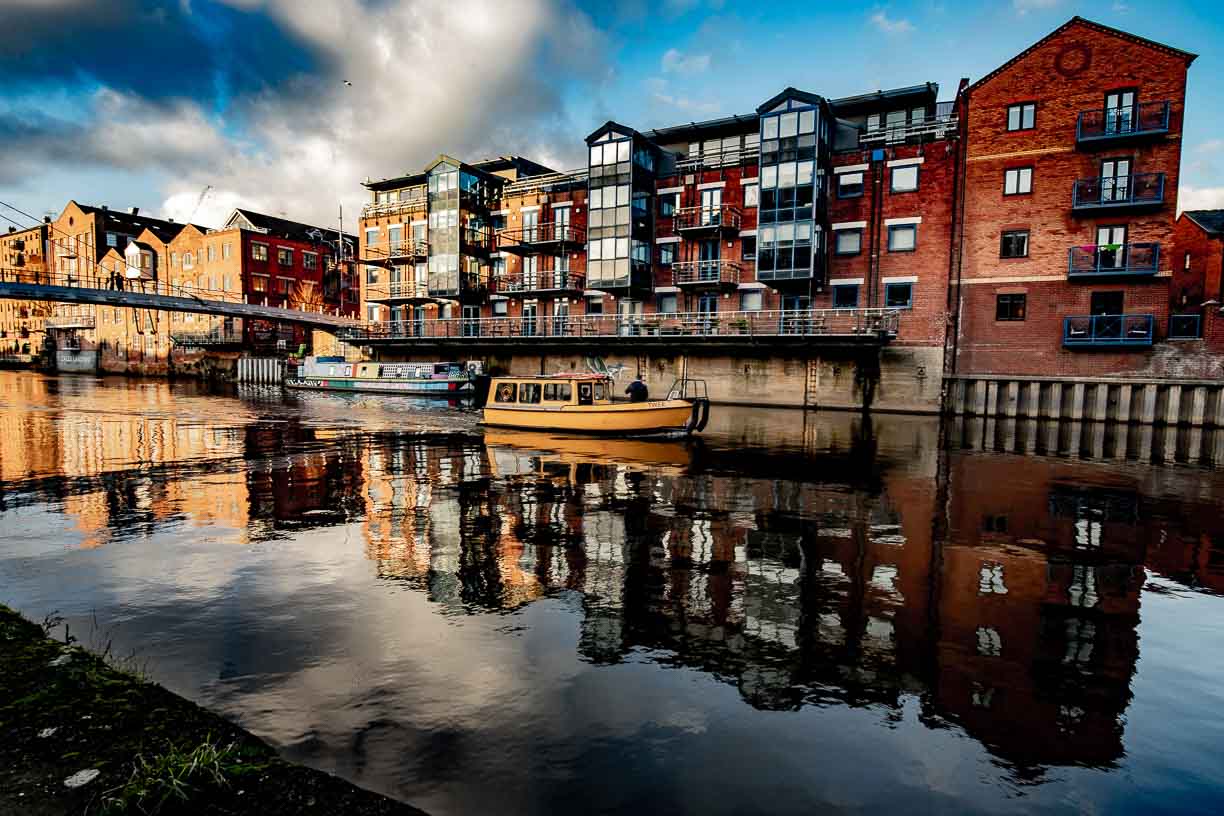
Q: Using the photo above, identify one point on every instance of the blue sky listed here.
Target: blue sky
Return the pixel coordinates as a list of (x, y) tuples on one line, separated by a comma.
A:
[(287, 106)]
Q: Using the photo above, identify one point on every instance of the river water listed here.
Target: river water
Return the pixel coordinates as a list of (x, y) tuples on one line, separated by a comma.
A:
[(795, 614)]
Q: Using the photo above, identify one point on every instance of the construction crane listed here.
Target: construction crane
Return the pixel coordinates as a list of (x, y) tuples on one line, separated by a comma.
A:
[(203, 195)]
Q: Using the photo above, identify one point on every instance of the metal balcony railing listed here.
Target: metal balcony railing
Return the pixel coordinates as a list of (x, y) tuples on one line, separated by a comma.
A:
[(872, 323), (1106, 260), (545, 182), (476, 238), (719, 216), (1118, 192), (70, 322), (547, 233), (1102, 331), (717, 272), (1104, 124), (219, 337), (940, 125), (717, 158), (389, 250), (545, 281), (1185, 326), (397, 290), (412, 202)]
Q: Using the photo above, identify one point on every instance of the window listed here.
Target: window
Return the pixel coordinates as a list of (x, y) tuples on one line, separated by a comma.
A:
[(898, 295), (594, 306), (1014, 244), (310, 260), (750, 195), (667, 205), (259, 252), (902, 237), (112, 239), (904, 179), (558, 392), (667, 254), (1010, 307), (529, 392), (173, 259), (748, 247), (667, 304), (212, 252), (188, 261), (506, 392), (752, 301), (500, 308), (849, 185), (259, 283), (845, 296), (284, 256), (225, 250), (848, 241), (1018, 181), (1022, 116)]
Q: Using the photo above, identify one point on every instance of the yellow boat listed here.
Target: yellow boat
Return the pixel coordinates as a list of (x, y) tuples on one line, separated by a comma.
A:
[(582, 403)]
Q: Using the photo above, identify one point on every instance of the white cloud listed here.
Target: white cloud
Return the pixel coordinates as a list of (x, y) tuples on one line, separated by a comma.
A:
[(1025, 6), (661, 94), (1200, 198), (1210, 146), (677, 62), (1121, 8), (889, 26)]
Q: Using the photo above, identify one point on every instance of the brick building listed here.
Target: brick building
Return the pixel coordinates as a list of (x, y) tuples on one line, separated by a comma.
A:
[(1197, 288), (23, 257), (1071, 159)]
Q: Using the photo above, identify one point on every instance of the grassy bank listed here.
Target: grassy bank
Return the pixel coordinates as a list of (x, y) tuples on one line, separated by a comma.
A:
[(80, 736)]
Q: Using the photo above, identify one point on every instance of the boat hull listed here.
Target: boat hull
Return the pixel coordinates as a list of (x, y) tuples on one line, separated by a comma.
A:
[(412, 388), (632, 418)]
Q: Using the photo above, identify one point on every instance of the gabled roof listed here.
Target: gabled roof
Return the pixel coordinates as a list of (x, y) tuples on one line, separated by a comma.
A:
[(1104, 29), (124, 221), (1211, 221), (789, 93), (279, 227), (610, 127)]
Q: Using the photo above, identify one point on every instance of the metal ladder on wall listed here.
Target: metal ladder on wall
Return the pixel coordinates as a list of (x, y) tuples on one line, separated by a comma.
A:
[(811, 384)]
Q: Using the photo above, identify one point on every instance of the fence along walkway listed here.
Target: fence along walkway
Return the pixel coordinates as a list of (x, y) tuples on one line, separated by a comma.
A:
[(862, 324)]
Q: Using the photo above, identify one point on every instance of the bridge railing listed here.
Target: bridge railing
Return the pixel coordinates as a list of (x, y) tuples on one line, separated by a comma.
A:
[(781, 323)]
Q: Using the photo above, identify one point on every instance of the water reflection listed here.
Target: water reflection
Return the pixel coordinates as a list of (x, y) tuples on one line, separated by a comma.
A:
[(994, 590)]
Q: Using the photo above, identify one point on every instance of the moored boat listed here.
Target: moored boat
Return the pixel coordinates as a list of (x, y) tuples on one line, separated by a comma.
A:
[(431, 379), (582, 403)]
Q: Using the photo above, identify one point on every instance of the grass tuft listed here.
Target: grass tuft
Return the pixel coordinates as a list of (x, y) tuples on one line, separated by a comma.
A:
[(163, 783)]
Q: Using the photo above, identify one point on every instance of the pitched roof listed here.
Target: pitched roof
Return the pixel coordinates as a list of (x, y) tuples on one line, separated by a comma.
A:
[(1212, 221), (1104, 29), (122, 220), (282, 227)]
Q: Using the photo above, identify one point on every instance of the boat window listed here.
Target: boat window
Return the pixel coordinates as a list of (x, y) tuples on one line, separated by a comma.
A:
[(558, 392), (505, 392), (600, 391), (529, 392)]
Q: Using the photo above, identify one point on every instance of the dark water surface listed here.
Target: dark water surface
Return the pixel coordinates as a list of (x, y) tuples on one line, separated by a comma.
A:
[(798, 614)]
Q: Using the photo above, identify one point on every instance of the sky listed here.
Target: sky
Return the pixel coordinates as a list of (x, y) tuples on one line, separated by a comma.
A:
[(188, 108)]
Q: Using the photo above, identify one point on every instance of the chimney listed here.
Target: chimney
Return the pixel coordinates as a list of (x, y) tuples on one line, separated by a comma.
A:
[(12, 229), (135, 211), (171, 220), (105, 208), (46, 219)]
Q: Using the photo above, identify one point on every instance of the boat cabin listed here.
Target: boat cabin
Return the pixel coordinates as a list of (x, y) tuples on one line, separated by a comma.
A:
[(551, 391)]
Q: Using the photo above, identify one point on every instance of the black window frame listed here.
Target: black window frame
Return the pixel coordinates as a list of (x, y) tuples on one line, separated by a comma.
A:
[(745, 242), (837, 288), (1020, 106), (909, 285), (892, 178), (894, 229), (659, 296), (667, 247), (1011, 307), (861, 185), (1010, 233), (838, 251), (1017, 170)]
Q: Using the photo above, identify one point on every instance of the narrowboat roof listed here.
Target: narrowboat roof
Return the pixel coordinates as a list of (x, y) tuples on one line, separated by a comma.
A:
[(567, 375)]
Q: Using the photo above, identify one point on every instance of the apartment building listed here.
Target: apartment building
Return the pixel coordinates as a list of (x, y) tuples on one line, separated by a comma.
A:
[(1197, 287), (23, 257)]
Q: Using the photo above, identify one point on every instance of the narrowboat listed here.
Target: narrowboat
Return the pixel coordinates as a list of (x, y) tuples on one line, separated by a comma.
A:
[(410, 379), (582, 403)]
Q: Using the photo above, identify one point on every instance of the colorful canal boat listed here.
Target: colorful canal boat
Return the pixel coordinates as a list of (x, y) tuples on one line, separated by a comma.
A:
[(430, 379), (582, 403)]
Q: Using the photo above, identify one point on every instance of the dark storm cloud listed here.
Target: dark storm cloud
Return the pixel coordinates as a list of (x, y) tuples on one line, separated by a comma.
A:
[(198, 49)]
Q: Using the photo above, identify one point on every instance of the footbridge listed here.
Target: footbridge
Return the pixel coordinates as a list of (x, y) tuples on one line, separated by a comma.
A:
[(158, 296)]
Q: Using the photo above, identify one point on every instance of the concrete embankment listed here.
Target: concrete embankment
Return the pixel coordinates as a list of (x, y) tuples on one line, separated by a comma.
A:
[(80, 736)]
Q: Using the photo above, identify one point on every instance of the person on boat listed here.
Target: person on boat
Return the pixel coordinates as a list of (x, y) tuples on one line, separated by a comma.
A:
[(637, 391)]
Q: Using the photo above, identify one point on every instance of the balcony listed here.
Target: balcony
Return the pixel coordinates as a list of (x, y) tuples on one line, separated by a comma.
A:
[(547, 282), (1108, 331), (209, 339), (1136, 192), (417, 200), (1107, 126), (465, 288), (635, 280), (712, 274), (70, 322), (707, 219), (397, 291), (551, 238), (1113, 260), (384, 252), (940, 125), (475, 239), (717, 159)]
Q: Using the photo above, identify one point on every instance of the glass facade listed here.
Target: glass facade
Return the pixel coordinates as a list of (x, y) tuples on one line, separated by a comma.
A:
[(790, 203), (621, 174), (443, 186)]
